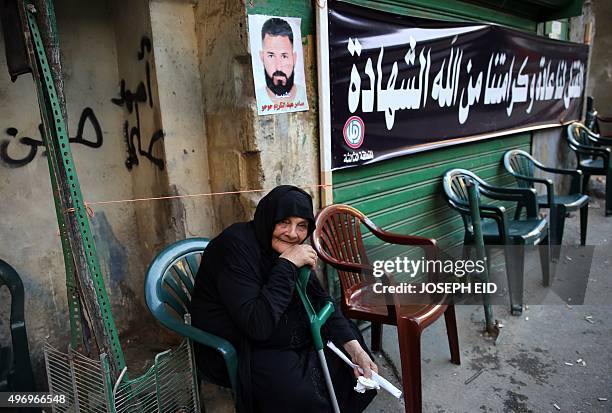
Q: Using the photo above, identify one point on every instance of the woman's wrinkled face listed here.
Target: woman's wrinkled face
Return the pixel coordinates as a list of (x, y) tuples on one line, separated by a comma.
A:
[(288, 232)]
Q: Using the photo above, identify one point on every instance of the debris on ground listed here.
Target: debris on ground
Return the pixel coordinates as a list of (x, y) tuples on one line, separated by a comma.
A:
[(473, 377), (556, 406)]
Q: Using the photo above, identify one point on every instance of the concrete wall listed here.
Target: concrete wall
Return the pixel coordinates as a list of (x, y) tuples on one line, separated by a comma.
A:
[(158, 54), (227, 95), (600, 75), (179, 88), (549, 145)]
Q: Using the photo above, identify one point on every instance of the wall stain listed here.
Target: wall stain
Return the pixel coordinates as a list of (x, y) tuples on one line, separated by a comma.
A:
[(110, 251)]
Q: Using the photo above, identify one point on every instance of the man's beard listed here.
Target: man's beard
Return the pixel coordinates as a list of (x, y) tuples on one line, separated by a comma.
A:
[(280, 89)]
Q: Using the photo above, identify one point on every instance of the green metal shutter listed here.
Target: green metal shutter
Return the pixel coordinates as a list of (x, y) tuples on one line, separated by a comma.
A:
[(405, 195), (449, 10)]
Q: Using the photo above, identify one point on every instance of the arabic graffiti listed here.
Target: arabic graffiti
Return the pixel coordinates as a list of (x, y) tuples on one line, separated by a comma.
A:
[(145, 44), (130, 101), (87, 115), (563, 80)]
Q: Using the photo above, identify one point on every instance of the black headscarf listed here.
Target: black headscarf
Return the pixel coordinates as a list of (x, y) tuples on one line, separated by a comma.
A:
[(282, 202)]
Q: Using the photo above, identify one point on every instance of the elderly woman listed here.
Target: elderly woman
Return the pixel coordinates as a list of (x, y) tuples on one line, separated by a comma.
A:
[(245, 293)]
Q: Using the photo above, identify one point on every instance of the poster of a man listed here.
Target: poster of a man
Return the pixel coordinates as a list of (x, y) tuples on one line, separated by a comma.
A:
[(278, 64)]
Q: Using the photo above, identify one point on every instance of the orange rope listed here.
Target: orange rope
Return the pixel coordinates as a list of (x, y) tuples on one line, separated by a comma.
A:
[(90, 210)]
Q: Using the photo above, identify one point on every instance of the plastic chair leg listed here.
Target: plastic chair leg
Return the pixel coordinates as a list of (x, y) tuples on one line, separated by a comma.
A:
[(376, 343), (519, 209), (409, 336), (545, 259), (451, 332), (609, 193), (584, 217), (515, 262), (559, 225), (585, 183)]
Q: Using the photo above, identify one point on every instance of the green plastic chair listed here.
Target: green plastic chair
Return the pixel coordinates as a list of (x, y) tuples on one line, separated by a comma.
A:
[(522, 166), (592, 157), (498, 229), (168, 286), (15, 366)]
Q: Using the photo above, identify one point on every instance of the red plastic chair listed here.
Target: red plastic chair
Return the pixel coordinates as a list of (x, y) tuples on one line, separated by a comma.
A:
[(338, 241)]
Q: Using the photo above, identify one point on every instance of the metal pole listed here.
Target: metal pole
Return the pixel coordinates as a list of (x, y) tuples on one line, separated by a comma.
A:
[(328, 381), (480, 251), (88, 275)]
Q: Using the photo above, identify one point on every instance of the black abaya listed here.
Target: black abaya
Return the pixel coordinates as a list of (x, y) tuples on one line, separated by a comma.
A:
[(246, 294)]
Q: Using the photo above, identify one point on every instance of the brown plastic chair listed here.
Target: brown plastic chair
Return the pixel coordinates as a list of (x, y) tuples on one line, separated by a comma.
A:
[(338, 241)]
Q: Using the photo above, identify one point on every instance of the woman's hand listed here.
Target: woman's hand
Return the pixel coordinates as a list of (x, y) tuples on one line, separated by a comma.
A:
[(360, 357), (301, 255)]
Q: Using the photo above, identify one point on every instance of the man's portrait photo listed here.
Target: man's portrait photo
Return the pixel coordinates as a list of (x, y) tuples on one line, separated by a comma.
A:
[(278, 64)]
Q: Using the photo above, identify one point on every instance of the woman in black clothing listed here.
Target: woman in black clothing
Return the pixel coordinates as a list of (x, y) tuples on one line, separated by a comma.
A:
[(245, 292)]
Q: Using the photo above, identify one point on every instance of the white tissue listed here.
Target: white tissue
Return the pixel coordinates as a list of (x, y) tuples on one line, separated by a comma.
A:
[(375, 377), (363, 384)]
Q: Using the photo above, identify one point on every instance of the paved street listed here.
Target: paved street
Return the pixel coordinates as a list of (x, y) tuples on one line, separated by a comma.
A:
[(552, 358)]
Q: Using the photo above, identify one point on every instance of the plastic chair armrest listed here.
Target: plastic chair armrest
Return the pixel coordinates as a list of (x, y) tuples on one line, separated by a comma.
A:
[(508, 194), (593, 151), (486, 211), (343, 265), (224, 347), (560, 171), (207, 339), (605, 140), (492, 211), (576, 174), (527, 196), (505, 191), (402, 239), (498, 214), (210, 340), (548, 183)]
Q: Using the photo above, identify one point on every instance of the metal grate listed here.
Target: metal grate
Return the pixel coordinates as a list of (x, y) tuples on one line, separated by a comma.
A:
[(170, 385)]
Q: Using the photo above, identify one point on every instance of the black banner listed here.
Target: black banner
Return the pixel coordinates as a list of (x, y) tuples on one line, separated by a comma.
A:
[(402, 84)]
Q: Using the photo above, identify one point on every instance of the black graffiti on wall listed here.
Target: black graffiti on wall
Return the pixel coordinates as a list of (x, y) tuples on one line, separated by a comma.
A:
[(87, 115), (130, 100), (145, 44)]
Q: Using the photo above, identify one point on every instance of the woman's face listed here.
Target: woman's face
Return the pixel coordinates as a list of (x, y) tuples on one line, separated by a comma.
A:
[(288, 232)]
